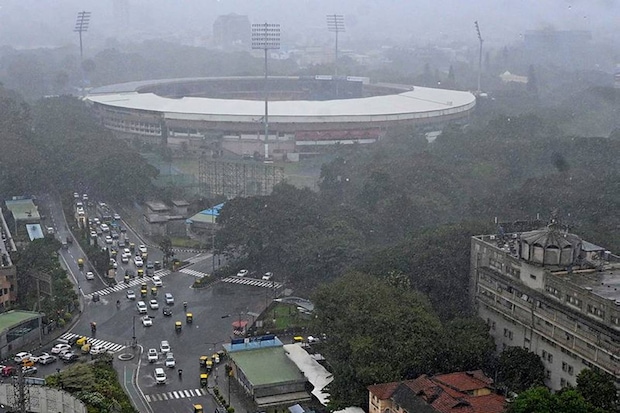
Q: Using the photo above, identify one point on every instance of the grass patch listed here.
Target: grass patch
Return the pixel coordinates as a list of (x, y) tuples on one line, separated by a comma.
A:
[(286, 316), (187, 243)]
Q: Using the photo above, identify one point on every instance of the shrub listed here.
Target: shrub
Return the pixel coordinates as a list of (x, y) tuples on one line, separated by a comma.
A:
[(61, 322), (230, 409), (216, 391)]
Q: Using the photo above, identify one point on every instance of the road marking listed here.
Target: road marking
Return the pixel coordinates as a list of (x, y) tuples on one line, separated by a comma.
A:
[(253, 282), (199, 257), (179, 394), (108, 345), (132, 283), (194, 273)]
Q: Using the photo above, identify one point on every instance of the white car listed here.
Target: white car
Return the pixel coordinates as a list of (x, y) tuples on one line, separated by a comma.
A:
[(141, 306), (125, 258), (93, 234), (46, 359), (160, 376), (147, 321), (108, 239), (98, 349), (117, 217), (113, 263), (130, 294), (170, 360), (267, 276), (154, 305), (142, 248), (89, 275), (105, 228), (169, 298), (242, 273), (164, 346), (59, 348), (127, 251), (19, 357), (157, 281), (138, 261), (152, 355)]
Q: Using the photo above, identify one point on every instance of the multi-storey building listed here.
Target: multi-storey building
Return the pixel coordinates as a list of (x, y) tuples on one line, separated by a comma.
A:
[(553, 293)]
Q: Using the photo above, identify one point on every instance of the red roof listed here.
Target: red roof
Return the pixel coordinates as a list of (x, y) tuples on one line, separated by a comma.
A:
[(465, 381), (384, 390)]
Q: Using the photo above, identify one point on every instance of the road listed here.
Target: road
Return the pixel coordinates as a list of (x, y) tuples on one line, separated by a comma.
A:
[(214, 309)]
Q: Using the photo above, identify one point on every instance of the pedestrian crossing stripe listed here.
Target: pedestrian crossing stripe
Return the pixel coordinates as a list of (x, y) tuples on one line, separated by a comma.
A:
[(172, 395), (199, 257), (108, 345), (253, 282), (132, 283), (194, 273)]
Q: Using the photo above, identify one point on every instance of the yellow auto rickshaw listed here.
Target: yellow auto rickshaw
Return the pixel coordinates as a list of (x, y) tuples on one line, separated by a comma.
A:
[(204, 379), (126, 279), (198, 408), (298, 339), (209, 364), (86, 348), (178, 326), (140, 272), (154, 291), (203, 361), (189, 318), (27, 363), (143, 286), (81, 341)]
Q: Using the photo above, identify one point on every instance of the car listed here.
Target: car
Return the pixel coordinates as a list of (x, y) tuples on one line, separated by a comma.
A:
[(105, 228), (7, 371), (170, 360), (167, 311), (108, 239), (267, 276), (93, 234), (157, 281), (242, 273), (114, 235), (21, 356), (147, 321), (97, 221), (138, 261), (59, 348), (142, 248), (141, 306), (29, 370), (113, 263), (76, 195), (69, 357), (89, 275), (164, 346), (46, 359), (125, 258), (98, 349), (127, 251), (149, 265), (154, 304), (160, 376), (117, 217), (130, 294), (216, 358), (152, 355), (169, 298)]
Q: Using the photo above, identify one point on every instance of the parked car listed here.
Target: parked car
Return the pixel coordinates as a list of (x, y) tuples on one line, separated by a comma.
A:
[(98, 349), (69, 357), (21, 356), (29, 370), (7, 371), (152, 355)]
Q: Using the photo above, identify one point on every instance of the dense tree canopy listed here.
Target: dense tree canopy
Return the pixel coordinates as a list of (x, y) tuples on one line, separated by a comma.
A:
[(519, 369)]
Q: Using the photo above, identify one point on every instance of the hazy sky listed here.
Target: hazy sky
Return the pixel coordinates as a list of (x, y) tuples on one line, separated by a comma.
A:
[(31, 23)]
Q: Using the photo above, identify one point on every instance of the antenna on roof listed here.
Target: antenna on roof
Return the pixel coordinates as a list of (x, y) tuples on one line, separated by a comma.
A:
[(479, 55)]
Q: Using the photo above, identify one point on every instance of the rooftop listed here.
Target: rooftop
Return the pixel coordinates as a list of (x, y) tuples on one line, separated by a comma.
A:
[(14, 317), (264, 366), (34, 231), (23, 209)]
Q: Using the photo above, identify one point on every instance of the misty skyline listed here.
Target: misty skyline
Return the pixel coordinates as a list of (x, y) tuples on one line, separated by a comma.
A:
[(32, 23)]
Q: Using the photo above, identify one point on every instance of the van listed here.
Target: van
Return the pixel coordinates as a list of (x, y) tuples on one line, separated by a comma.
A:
[(160, 376)]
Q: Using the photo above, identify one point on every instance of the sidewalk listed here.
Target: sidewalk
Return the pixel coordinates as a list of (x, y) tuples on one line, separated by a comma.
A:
[(231, 390)]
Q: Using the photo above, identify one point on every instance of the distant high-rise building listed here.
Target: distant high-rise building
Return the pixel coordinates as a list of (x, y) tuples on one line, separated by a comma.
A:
[(231, 31)]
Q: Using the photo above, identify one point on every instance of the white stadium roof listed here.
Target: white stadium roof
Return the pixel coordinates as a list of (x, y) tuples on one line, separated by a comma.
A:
[(417, 103)]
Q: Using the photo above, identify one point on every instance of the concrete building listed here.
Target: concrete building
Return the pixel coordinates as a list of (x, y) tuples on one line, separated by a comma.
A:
[(460, 392), (8, 271), (23, 211), (553, 293), (261, 366), (17, 330)]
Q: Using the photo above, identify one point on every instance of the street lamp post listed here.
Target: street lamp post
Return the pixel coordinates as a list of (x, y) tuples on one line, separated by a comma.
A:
[(266, 36), (81, 26), (335, 24)]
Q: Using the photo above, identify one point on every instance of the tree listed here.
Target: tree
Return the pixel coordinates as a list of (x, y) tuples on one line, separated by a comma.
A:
[(541, 400), (466, 345), (519, 369), (598, 389), (166, 248), (532, 81), (376, 333)]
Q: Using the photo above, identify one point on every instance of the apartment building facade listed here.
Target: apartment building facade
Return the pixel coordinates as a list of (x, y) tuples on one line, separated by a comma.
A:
[(553, 293)]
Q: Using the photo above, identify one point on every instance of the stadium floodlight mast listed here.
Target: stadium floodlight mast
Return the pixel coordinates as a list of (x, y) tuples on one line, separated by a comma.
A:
[(81, 26), (266, 36), (335, 24), (479, 55)]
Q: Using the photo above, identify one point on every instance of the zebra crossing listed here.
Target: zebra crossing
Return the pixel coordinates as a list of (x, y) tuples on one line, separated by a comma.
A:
[(194, 273), (253, 282), (199, 257), (108, 345), (172, 395), (123, 286)]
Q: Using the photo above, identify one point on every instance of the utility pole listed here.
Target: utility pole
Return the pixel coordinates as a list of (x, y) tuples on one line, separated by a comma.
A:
[(335, 24), (479, 55), (266, 36), (81, 26)]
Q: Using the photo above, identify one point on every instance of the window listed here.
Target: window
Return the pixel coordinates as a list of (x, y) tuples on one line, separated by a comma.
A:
[(548, 374), (564, 366), (570, 370), (550, 358), (532, 276), (574, 301), (544, 355), (562, 383)]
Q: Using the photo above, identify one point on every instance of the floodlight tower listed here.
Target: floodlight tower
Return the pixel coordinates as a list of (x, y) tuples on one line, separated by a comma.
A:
[(81, 26), (266, 36), (479, 55), (335, 24)]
